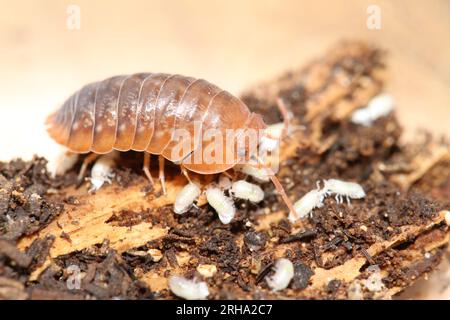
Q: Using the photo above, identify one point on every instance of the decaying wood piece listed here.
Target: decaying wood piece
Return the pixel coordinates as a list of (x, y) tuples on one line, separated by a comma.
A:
[(328, 89), (346, 273), (421, 163), (351, 269), (85, 223)]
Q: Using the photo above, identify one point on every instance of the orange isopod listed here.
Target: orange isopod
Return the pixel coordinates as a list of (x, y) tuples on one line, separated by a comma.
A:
[(142, 111)]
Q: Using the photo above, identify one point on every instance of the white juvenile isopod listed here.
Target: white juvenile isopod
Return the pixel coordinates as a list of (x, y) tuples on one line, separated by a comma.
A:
[(248, 191), (224, 182), (101, 172), (185, 198), (259, 174), (284, 272), (188, 289), (349, 190), (304, 206), (223, 205), (273, 135), (379, 106), (271, 140)]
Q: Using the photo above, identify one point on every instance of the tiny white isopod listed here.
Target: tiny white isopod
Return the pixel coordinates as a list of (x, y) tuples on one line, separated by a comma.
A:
[(379, 106), (223, 205), (305, 205), (374, 282), (248, 191), (185, 198), (259, 174), (284, 272), (349, 190), (101, 171), (224, 182), (189, 289)]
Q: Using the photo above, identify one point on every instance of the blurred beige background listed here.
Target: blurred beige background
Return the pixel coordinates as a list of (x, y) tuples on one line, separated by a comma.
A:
[(231, 43)]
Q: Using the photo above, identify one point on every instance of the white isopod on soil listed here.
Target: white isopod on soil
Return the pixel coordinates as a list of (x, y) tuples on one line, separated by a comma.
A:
[(223, 205), (271, 141), (189, 289), (248, 191), (304, 206), (101, 171), (349, 190), (379, 106), (259, 174), (284, 272), (185, 198), (224, 182)]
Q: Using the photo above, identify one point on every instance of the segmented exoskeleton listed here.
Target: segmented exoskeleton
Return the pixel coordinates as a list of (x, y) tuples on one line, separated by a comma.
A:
[(142, 111)]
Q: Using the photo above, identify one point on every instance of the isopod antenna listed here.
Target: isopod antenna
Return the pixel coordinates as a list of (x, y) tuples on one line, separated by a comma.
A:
[(279, 189)]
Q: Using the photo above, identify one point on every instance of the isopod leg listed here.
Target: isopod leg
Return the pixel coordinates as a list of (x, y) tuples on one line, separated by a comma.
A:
[(86, 162), (229, 175), (185, 172), (284, 196), (162, 178), (280, 190), (146, 167)]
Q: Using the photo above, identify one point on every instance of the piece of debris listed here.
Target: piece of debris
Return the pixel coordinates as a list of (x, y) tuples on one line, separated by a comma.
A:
[(207, 270)]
